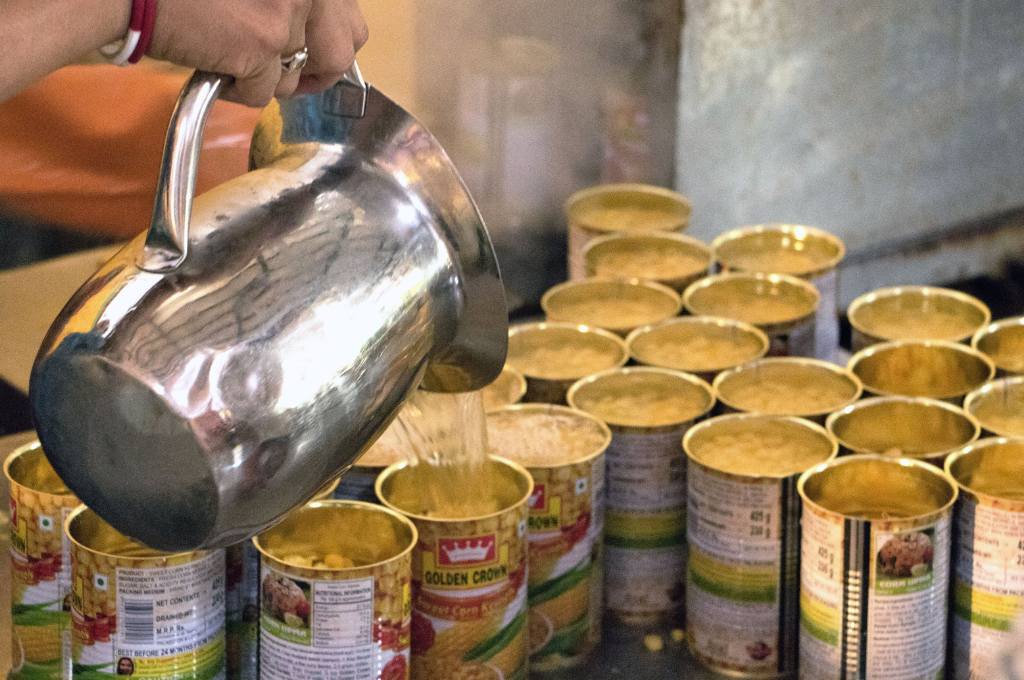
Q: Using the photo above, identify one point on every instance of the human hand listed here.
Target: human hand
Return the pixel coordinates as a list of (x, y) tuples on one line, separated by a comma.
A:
[(247, 39)]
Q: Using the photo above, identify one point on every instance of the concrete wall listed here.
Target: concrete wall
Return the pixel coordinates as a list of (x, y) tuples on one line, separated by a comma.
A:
[(882, 120)]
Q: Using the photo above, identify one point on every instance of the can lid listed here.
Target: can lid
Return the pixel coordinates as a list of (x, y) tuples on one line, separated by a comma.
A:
[(794, 249)]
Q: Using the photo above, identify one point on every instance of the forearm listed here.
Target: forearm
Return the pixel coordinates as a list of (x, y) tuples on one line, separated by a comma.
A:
[(40, 36)]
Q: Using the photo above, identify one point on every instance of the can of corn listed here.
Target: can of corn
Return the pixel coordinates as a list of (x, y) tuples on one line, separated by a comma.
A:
[(563, 449), (242, 602), (616, 305), (938, 369), (335, 593), (648, 411), (553, 356), (142, 612), (743, 529), (673, 260), (468, 569), (788, 386), (806, 252), (507, 389), (988, 559), (911, 427), (999, 406), (874, 568), (1003, 343), (702, 345), (782, 306), (915, 313), (40, 566), (611, 208)]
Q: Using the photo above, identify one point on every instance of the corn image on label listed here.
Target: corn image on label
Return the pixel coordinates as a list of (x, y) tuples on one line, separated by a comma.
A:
[(904, 606), (148, 620), (988, 585), (645, 522), (242, 583), (736, 583), (40, 578), (563, 619), (336, 628)]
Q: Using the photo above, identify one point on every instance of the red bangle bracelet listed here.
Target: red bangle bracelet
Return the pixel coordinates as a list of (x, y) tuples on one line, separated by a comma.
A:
[(146, 38), (119, 52)]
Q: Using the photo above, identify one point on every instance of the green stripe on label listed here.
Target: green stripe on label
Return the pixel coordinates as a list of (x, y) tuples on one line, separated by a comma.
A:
[(744, 595), (829, 637)]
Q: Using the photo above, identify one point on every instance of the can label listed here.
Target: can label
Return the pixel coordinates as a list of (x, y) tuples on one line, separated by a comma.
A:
[(736, 577), (645, 534), (561, 559), (40, 583), (242, 605), (826, 326), (148, 621), (988, 586), (357, 485), (469, 598), (906, 574), (335, 628)]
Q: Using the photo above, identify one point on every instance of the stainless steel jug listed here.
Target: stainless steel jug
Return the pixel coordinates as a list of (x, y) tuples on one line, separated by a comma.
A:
[(225, 365)]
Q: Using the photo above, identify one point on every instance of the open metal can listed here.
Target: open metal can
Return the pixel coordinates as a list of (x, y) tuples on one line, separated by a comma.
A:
[(673, 260), (611, 208), (142, 612), (788, 386), (242, 602), (40, 566), (743, 529), (798, 250), (507, 389), (553, 356), (563, 449), (648, 411), (874, 568), (999, 406), (1003, 343), (335, 593), (915, 313), (468, 573), (919, 428), (938, 369), (988, 560), (616, 305), (702, 345), (782, 306)]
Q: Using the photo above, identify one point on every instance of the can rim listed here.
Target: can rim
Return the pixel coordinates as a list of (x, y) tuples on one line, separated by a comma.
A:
[(338, 502), (745, 231), (775, 279), (565, 410), (974, 447), (572, 203), (827, 366), (900, 461), (687, 439), (652, 286), (20, 451), (582, 328), (159, 554), (518, 379), (699, 320), (971, 400), (395, 468), (893, 399), (696, 381), (949, 345), (992, 329), (648, 235), (871, 297)]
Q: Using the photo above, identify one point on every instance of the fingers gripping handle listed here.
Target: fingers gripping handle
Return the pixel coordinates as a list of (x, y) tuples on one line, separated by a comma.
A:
[(167, 240)]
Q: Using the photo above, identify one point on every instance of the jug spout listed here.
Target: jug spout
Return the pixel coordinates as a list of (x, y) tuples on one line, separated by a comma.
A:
[(194, 403)]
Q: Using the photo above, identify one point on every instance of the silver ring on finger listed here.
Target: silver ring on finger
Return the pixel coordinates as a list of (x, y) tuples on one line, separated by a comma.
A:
[(295, 62)]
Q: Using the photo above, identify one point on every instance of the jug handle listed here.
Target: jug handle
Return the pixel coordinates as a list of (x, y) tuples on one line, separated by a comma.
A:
[(167, 240)]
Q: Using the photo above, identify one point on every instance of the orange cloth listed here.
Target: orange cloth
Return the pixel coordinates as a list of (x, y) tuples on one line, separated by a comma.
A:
[(81, 148)]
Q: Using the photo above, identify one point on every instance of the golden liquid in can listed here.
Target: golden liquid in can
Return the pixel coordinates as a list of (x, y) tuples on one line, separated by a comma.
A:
[(697, 344), (788, 386)]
